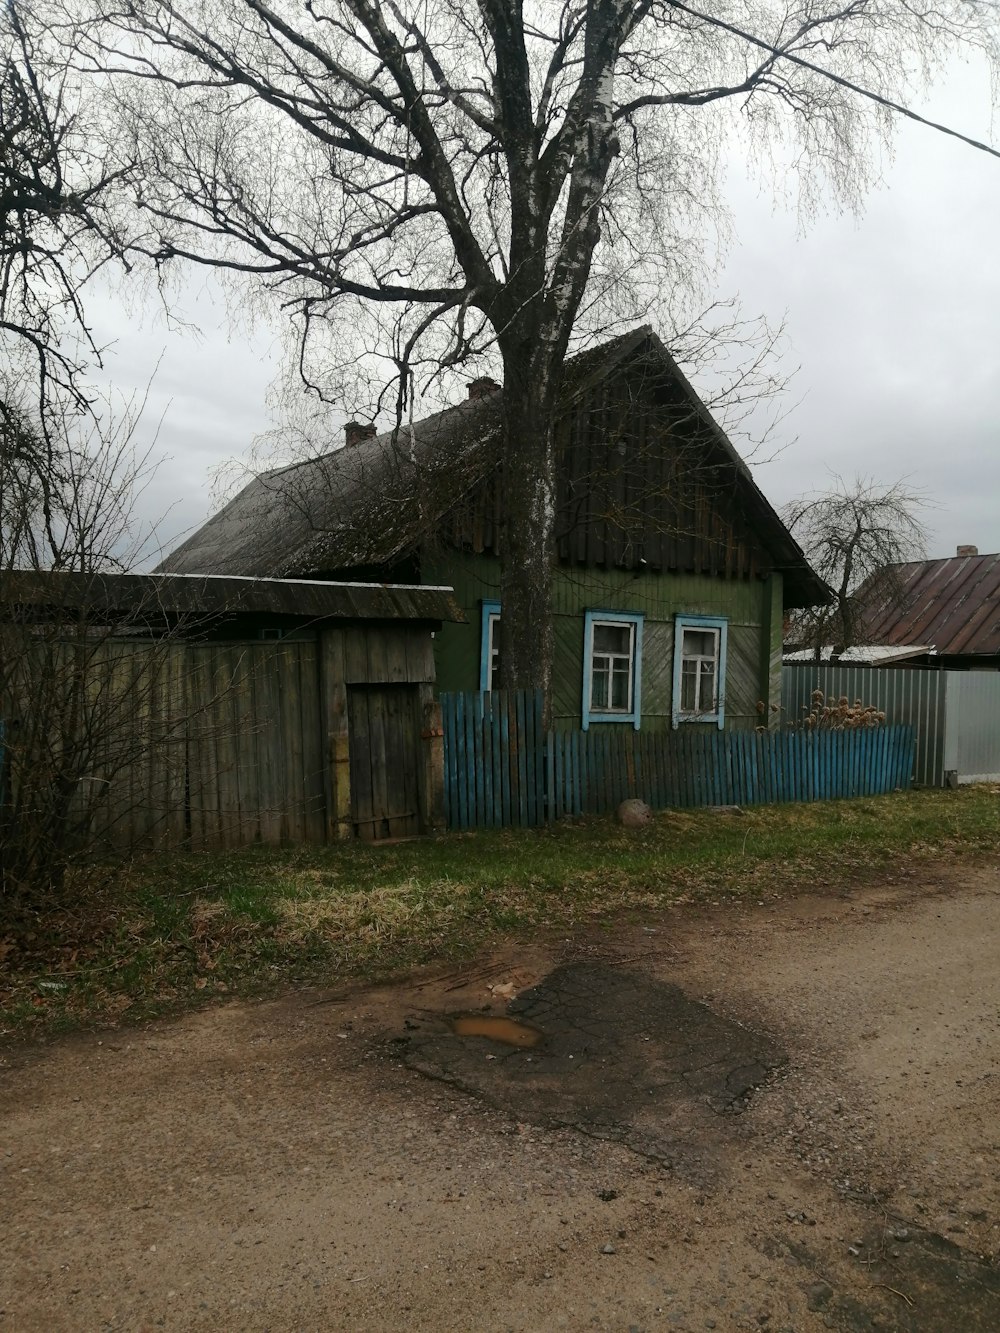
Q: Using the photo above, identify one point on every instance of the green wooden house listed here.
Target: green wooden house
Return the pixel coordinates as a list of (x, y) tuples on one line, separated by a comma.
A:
[(674, 572)]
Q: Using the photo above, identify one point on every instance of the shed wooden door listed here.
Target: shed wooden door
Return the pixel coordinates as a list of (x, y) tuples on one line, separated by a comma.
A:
[(384, 736)]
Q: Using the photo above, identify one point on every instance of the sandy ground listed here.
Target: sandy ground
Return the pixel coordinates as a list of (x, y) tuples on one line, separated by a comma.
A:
[(278, 1166)]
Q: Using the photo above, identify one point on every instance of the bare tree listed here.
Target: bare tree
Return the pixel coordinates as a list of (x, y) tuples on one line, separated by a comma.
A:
[(75, 676), (444, 180), (56, 228), (855, 536)]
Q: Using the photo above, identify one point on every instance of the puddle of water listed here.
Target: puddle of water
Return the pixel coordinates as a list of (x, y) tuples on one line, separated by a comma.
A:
[(506, 1030)]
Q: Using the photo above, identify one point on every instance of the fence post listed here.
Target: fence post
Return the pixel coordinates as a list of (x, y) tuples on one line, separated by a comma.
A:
[(952, 727)]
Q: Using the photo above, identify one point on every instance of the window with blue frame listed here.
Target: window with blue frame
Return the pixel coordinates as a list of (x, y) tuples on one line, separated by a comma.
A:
[(489, 646), (700, 669), (612, 667)]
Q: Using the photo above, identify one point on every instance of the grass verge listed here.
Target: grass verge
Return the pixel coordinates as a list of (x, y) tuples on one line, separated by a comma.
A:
[(170, 933)]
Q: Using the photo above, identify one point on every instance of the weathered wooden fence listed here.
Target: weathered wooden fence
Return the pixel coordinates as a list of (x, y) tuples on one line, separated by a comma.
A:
[(170, 743), (502, 768)]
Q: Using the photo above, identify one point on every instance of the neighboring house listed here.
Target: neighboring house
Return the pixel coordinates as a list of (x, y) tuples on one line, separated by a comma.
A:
[(674, 572), (943, 613), (872, 654)]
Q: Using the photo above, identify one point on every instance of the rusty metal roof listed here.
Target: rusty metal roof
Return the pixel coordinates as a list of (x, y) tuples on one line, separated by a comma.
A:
[(147, 597), (953, 605)]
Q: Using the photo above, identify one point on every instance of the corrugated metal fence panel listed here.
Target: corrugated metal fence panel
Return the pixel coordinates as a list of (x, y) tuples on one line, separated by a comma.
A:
[(493, 742), (975, 724), (906, 695)]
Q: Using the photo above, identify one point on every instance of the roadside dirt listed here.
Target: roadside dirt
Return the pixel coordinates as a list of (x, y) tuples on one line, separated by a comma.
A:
[(348, 1162)]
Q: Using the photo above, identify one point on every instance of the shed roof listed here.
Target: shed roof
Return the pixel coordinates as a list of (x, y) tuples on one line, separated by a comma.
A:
[(368, 503), (951, 604), (871, 654), (151, 596)]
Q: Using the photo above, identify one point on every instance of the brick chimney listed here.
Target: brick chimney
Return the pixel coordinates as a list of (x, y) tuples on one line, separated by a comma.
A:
[(356, 431), (482, 387), (967, 550)]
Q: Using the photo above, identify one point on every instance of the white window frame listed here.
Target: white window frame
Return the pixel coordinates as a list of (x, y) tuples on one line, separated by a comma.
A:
[(633, 713), (488, 646), (720, 627)]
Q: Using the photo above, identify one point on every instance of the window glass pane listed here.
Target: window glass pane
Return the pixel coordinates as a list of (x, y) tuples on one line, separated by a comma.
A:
[(613, 639), (689, 687), (599, 685), (619, 684), (699, 643), (706, 691)]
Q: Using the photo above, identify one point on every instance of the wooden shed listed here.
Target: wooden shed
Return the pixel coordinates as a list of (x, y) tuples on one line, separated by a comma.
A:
[(245, 710)]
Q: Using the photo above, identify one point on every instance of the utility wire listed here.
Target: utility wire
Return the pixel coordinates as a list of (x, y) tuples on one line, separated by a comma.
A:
[(835, 78)]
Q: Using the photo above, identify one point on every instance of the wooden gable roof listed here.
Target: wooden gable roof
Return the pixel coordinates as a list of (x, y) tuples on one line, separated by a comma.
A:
[(647, 479)]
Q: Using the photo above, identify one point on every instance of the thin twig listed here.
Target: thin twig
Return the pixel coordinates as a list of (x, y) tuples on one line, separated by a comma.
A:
[(901, 1294)]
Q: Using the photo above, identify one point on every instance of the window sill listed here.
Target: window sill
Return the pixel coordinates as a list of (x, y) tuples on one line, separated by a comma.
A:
[(631, 718), (714, 719)]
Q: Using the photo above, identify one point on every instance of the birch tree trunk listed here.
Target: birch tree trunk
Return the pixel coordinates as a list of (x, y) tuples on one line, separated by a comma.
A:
[(529, 507)]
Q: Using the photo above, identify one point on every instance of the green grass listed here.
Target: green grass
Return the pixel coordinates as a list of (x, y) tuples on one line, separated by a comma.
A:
[(174, 932)]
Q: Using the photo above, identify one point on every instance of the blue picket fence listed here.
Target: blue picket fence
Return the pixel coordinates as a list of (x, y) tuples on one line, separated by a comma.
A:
[(502, 768)]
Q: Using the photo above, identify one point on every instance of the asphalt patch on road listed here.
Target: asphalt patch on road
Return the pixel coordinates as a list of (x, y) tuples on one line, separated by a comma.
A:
[(623, 1057), (926, 1285)]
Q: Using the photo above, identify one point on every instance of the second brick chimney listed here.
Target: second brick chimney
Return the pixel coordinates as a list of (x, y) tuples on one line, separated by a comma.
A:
[(967, 550), (356, 431)]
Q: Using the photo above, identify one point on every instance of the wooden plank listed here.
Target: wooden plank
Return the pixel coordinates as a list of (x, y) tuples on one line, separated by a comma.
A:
[(377, 672), (309, 727), (486, 761), (552, 776), (608, 799), (468, 752), (535, 751), (508, 765), (474, 723), (452, 758), (399, 799), (266, 739), (335, 754), (473, 776), (419, 648), (362, 801), (518, 698), (355, 656), (792, 792), (296, 800), (173, 823), (396, 663), (382, 715), (403, 739), (401, 814), (210, 720), (564, 777), (456, 763)]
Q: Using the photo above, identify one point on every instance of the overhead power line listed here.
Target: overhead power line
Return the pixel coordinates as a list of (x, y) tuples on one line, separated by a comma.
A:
[(777, 52)]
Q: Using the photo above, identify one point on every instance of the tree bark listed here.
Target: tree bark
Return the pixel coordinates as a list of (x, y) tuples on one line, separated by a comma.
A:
[(529, 507)]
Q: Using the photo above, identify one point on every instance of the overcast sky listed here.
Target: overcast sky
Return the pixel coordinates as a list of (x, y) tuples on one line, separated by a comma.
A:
[(893, 319)]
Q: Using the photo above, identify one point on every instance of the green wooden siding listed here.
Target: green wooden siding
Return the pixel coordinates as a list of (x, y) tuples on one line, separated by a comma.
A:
[(753, 668)]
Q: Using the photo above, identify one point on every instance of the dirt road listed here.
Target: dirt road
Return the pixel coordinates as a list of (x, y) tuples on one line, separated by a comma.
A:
[(781, 1116)]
